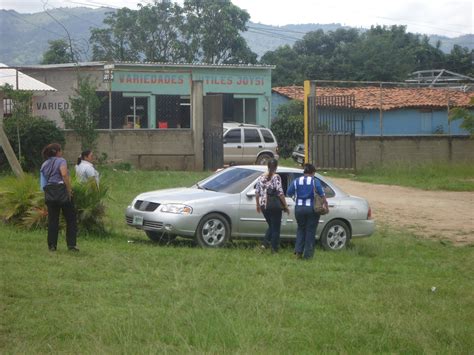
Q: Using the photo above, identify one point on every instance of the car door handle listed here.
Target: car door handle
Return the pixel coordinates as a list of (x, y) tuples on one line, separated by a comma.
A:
[(332, 205), (239, 147), (260, 146)]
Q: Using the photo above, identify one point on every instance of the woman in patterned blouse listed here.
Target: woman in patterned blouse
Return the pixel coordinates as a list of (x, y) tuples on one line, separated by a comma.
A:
[(271, 181)]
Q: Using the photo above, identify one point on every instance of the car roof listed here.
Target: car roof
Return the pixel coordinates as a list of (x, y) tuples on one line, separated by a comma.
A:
[(239, 124), (263, 168)]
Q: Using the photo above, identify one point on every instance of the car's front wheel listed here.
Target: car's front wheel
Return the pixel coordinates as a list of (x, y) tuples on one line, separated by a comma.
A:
[(263, 159), (160, 237), (335, 235), (213, 231)]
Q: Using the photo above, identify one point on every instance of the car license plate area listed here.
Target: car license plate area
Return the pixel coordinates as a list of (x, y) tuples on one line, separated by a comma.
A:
[(300, 160), (137, 220)]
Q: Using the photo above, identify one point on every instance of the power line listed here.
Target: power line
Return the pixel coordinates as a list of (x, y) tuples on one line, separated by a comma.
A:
[(420, 24), (35, 25), (80, 18)]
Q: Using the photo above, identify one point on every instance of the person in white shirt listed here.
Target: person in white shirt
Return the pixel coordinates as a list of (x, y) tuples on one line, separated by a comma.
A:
[(85, 169)]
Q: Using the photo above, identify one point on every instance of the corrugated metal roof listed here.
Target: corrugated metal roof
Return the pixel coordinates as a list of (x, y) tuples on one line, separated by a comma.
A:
[(25, 82), (368, 98), (149, 65)]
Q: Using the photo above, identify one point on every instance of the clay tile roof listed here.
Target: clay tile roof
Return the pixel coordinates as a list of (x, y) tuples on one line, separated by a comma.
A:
[(368, 98)]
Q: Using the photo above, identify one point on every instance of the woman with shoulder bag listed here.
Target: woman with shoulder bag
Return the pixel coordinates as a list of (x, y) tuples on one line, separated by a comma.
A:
[(304, 188), (56, 184), (271, 201)]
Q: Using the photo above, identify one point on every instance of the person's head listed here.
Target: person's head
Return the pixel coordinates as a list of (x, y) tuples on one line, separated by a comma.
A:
[(272, 165), (309, 169), (85, 155), (52, 150)]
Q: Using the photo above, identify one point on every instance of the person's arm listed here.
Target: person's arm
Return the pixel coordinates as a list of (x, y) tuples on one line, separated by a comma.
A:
[(291, 189), (257, 200), (283, 202), (257, 195), (42, 181), (66, 179)]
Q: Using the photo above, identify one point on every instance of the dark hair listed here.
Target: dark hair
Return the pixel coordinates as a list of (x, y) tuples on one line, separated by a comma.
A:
[(51, 150), (309, 169), (84, 154), (272, 166)]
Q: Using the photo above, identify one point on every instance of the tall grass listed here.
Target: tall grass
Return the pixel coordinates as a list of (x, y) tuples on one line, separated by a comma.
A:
[(429, 176), (126, 295)]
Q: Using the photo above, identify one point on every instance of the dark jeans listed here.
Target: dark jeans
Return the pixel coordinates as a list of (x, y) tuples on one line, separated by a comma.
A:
[(307, 221), (69, 214), (272, 235)]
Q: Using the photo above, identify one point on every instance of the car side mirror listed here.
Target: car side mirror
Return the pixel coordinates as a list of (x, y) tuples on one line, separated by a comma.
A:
[(251, 193)]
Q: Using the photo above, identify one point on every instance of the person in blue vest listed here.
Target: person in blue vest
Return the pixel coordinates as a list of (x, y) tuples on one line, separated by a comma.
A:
[(303, 189)]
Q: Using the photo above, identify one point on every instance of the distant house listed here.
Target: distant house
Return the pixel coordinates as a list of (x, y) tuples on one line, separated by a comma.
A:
[(404, 111)]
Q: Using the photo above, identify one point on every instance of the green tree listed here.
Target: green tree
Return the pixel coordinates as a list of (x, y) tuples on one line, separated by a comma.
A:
[(27, 134), (206, 31), (157, 32), (212, 29), (288, 127), (467, 117), (287, 63), (115, 41), (460, 60), (84, 113), (58, 52)]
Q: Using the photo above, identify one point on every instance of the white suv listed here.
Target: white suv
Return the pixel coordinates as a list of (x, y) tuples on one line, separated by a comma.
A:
[(248, 144)]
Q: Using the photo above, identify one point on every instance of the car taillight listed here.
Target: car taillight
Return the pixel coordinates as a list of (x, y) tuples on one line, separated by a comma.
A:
[(278, 150), (369, 213)]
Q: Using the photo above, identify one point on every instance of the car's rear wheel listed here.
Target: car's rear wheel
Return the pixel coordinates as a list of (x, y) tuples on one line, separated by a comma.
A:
[(160, 237), (213, 231), (263, 159), (335, 235)]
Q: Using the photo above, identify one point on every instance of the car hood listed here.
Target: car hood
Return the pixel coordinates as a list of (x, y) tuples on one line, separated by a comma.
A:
[(183, 194)]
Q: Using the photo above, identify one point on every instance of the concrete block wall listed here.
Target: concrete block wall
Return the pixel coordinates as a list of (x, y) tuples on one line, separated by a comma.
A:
[(416, 149), (144, 149)]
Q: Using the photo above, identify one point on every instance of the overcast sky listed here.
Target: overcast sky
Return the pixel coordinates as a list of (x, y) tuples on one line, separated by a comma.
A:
[(449, 18)]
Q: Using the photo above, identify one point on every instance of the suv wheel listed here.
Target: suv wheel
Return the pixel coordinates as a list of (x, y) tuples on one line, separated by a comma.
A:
[(263, 159)]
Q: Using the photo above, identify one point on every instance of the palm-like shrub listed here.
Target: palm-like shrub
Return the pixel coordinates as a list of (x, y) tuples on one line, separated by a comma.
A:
[(22, 202), (90, 207)]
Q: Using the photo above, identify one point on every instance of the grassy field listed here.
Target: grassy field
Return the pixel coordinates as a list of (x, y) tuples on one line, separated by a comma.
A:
[(124, 294), (439, 176)]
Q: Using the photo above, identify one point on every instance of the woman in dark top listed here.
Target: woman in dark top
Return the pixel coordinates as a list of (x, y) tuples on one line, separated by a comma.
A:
[(54, 171), (271, 180)]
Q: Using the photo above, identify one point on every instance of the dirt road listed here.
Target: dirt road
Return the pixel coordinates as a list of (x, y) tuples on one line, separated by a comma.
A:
[(430, 214)]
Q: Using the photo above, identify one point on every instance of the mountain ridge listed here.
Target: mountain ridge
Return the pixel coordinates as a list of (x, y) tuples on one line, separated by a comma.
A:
[(28, 34)]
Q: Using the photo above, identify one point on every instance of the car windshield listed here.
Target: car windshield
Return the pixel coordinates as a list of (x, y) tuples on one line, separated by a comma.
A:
[(231, 181)]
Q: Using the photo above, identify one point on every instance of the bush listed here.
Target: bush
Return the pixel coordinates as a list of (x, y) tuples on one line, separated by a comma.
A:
[(22, 204), (35, 133), (288, 127), (88, 199)]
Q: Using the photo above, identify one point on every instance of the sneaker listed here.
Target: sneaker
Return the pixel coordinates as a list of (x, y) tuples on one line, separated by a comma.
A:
[(73, 249), (298, 255), (52, 248)]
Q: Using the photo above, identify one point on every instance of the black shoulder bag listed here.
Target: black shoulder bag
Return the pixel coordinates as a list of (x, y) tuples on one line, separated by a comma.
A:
[(273, 200), (55, 193)]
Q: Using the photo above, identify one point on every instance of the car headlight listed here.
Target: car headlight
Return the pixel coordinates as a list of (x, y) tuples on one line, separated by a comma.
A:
[(176, 208)]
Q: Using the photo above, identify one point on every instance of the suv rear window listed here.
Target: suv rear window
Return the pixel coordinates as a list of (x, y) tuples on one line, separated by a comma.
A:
[(267, 136), (251, 135), (233, 136)]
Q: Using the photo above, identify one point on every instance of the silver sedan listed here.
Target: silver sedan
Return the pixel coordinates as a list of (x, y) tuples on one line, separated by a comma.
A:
[(222, 207)]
